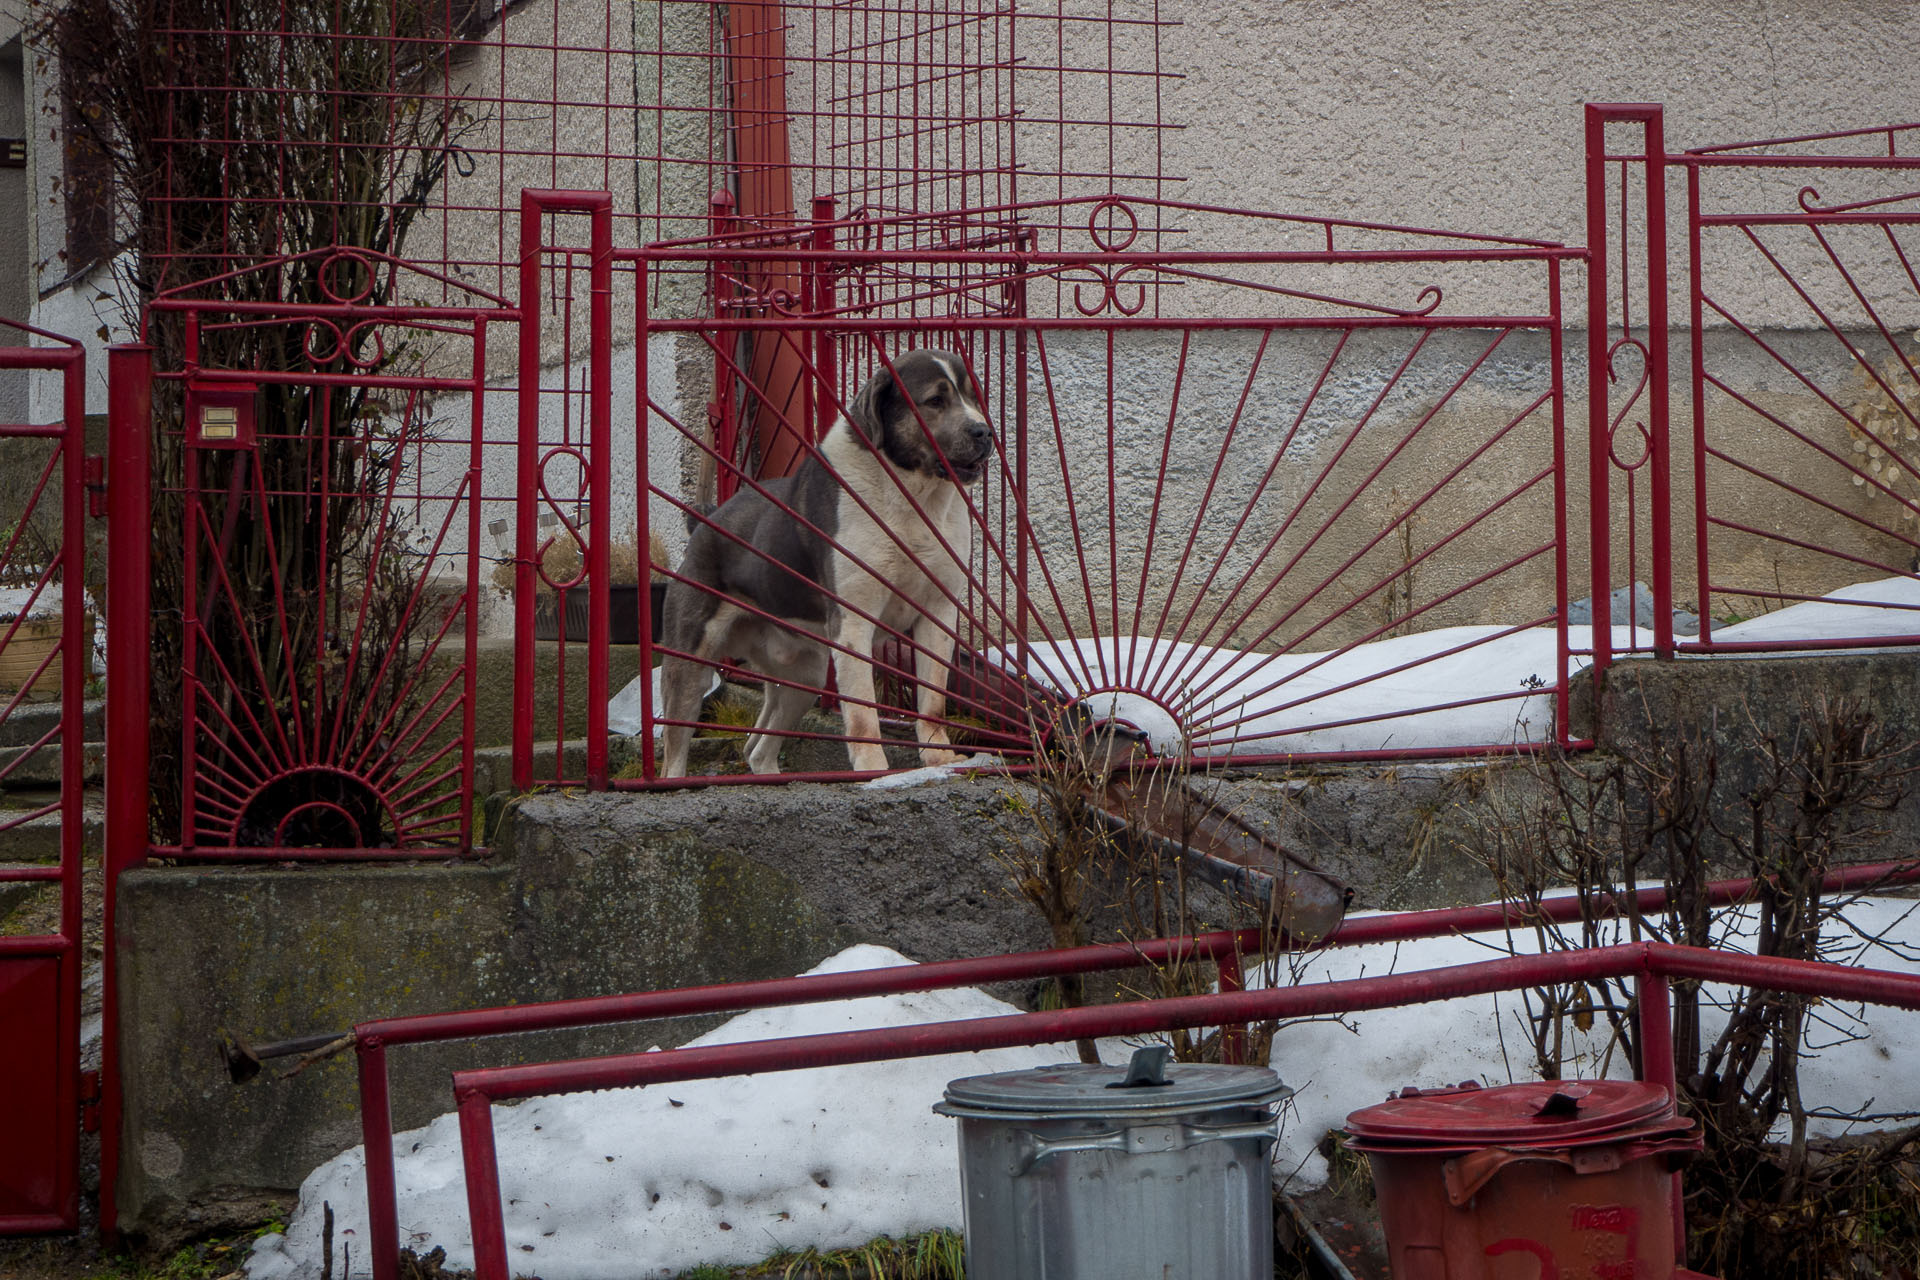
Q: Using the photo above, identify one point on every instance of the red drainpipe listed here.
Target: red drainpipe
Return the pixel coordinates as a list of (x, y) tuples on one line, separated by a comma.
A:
[(757, 63)]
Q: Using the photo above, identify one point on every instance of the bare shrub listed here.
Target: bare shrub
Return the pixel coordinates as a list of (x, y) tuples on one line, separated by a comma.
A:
[(1793, 807)]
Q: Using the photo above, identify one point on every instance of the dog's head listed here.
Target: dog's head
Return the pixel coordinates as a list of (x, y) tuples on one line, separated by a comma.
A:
[(924, 415)]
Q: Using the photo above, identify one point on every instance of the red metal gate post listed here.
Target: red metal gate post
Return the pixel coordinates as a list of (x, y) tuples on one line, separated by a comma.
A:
[(1653, 1023), (1556, 345), (129, 651), (1660, 517), (534, 206), (376, 1133), (1601, 420), (526, 490), (643, 487)]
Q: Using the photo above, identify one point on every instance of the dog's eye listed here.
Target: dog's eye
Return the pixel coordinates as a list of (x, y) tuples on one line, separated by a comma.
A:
[(936, 401)]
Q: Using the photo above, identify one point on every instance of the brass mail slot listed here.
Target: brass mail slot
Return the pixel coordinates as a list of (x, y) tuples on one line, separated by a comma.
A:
[(219, 422)]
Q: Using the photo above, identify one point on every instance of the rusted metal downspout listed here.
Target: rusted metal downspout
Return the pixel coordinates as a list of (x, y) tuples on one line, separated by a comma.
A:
[(763, 176)]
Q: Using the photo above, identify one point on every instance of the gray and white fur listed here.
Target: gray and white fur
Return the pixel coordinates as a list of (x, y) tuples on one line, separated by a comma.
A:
[(886, 559)]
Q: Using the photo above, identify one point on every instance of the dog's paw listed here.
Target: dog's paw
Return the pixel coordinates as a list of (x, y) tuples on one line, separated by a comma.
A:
[(867, 757), (936, 756)]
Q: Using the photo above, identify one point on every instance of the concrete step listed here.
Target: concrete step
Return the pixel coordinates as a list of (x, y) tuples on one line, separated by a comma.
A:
[(31, 767), (32, 721), (37, 840)]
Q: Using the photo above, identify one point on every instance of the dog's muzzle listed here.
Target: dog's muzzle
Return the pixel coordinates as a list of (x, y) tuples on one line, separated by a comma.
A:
[(969, 468)]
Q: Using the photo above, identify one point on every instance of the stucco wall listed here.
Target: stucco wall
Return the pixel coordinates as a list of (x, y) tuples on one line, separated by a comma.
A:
[(1467, 115)]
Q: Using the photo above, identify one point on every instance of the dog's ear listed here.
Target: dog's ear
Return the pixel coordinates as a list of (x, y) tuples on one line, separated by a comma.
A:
[(877, 404)]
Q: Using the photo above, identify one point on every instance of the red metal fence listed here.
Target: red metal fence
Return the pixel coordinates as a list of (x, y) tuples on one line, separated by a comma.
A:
[(1790, 515), (1220, 477), (427, 120), (327, 579), (46, 659), (374, 1040), (1652, 966), (1276, 504)]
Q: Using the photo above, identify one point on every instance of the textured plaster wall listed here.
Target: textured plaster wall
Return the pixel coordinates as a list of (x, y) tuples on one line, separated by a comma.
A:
[(1328, 508), (1467, 115)]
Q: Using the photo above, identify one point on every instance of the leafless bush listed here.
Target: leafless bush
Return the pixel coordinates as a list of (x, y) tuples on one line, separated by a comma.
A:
[(1092, 875), (231, 139), (1805, 802)]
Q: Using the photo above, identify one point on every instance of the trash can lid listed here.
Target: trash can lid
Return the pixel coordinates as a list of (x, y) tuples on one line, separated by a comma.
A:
[(1148, 1083), (1553, 1112)]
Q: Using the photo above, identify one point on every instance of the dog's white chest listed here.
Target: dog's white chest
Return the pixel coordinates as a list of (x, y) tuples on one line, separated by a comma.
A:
[(902, 536)]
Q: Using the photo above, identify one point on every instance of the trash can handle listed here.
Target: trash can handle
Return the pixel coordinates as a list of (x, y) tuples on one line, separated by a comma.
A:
[(1465, 1175), (1146, 1069), (1142, 1139)]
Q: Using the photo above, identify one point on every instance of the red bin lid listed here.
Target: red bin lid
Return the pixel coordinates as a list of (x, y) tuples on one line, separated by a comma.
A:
[(1548, 1112)]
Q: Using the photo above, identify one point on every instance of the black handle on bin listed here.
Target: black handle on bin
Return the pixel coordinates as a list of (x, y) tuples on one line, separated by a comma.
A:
[(1147, 1068)]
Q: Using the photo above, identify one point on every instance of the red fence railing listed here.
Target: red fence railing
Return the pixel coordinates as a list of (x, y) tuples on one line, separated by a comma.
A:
[(1651, 964), (374, 1040), (1297, 503), (45, 643)]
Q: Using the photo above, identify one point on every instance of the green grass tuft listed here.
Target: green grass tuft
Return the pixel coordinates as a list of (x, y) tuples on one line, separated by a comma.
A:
[(931, 1255)]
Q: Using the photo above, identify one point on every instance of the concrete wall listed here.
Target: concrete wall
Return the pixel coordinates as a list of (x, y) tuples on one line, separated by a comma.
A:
[(592, 895)]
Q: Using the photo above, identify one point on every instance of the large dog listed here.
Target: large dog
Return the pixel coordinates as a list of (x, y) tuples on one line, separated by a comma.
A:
[(884, 498)]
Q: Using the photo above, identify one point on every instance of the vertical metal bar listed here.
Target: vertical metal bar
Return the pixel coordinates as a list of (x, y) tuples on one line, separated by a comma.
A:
[(470, 621), (483, 1186), (129, 651), (1233, 1035), (600, 478), (1556, 345), (376, 1132), (526, 478), (190, 612), (1023, 601), (1654, 1017), (1599, 499), (642, 417), (1696, 293), (1657, 385)]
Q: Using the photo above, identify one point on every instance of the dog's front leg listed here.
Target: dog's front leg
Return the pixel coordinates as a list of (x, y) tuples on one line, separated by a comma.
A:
[(853, 672), (932, 665)]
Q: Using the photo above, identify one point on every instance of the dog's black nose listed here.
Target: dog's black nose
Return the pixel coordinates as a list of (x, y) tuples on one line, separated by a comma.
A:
[(979, 433)]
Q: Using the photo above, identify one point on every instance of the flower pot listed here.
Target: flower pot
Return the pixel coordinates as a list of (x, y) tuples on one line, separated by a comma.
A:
[(553, 622), (33, 640)]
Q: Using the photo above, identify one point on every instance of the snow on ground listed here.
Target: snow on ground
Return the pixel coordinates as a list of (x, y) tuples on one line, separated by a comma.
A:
[(1865, 609), (1235, 701), (1359, 699), (1492, 685), (649, 1182)]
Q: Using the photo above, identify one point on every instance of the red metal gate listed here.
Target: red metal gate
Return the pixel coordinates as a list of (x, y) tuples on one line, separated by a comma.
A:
[(1265, 504), (1791, 518), (44, 650), (329, 570)]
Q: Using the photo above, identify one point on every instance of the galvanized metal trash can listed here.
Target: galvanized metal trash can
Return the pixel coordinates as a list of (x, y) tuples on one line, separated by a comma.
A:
[(1561, 1178), (1081, 1172)]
